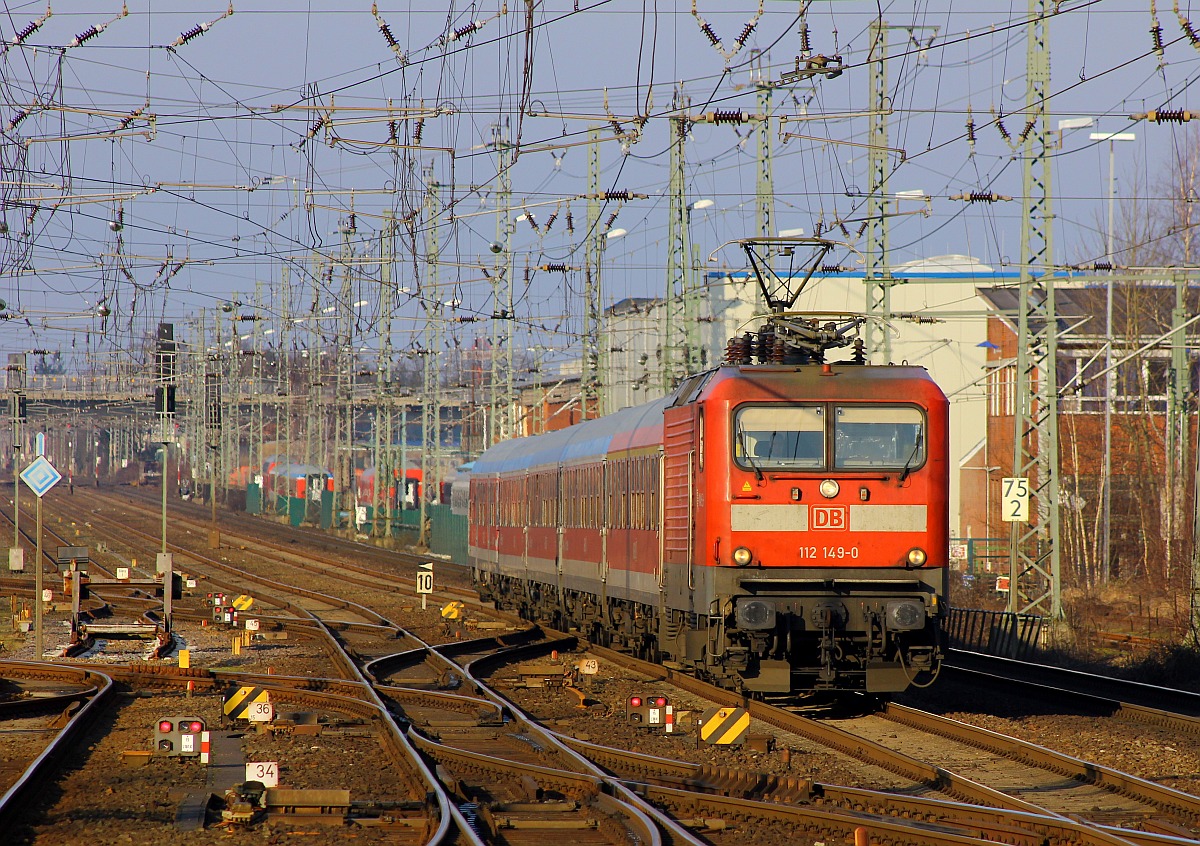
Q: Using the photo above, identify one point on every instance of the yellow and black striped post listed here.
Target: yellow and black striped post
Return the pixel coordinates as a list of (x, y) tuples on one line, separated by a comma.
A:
[(724, 726)]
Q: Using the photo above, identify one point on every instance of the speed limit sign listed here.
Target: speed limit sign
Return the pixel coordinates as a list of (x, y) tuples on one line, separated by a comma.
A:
[(425, 578)]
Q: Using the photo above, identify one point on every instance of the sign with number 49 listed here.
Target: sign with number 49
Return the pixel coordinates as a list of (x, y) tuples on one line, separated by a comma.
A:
[(265, 773)]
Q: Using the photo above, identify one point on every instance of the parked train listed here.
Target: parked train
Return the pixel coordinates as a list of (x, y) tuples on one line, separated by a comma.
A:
[(778, 525), (283, 480), (396, 496)]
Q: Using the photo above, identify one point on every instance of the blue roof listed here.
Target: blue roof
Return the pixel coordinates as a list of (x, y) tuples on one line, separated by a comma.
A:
[(589, 440)]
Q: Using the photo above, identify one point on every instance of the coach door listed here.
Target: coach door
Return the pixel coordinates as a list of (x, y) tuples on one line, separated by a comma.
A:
[(678, 497)]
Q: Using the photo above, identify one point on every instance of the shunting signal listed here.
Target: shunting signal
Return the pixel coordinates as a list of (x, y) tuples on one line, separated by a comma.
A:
[(178, 736), (647, 711)]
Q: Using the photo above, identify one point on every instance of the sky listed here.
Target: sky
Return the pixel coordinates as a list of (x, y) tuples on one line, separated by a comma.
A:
[(163, 158)]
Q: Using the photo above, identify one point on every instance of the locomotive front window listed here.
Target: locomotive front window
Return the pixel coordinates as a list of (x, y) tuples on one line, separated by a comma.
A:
[(779, 436), (878, 436)]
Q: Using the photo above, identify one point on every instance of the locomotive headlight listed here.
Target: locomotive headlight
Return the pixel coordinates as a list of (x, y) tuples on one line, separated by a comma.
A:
[(742, 556), (905, 615), (755, 614), (830, 488), (917, 557)]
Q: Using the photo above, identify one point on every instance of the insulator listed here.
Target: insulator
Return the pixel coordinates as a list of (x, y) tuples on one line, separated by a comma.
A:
[(970, 128), (745, 33), (527, 277), (1168, 116), (532, 223), (707, 29), (194, 32), (778, 351), (550, 221), (611, 219), (16, 119), (845, 231), (1102, 265), (982, 197), (805, 45), (418, 131), (616, 195), (616, 126), (1004, 133), (1189, 31), (353, 222), (30, 29), (570, 222), (315, 128), (387, 35), (1028, 128), (750, 348), (721, 116), (1157, 38), (464, 31), (393, 136), (818, 228), (862, 227), (832, 268), (87, 35), (555, 267)]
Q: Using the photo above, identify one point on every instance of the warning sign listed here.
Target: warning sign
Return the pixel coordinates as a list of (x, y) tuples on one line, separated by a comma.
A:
[(239, 702), (724, 726)]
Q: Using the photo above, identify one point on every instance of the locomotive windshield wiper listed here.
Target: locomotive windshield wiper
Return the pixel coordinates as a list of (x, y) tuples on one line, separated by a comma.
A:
[(916, 448), (741, 436)]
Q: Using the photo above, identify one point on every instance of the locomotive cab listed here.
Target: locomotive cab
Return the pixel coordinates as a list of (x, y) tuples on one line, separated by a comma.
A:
[(820, 527)]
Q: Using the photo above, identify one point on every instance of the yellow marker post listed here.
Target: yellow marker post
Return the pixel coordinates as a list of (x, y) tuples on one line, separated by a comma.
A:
[(185, 659)]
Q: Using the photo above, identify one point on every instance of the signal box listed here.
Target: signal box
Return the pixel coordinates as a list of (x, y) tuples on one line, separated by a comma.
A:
[(177, 737), (647, 711)]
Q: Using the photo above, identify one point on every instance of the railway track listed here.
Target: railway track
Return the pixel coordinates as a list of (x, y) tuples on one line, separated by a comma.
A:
[(470, 737)]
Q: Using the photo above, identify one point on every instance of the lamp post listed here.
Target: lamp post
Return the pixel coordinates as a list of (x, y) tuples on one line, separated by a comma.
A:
[(1109, 385)]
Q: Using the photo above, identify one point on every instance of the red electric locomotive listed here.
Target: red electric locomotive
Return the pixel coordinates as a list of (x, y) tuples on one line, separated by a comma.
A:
[(778, 525)]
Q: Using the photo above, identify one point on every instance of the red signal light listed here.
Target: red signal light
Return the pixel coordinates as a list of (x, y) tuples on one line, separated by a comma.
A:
[(660, 702), (165, 725), (192, 727), (635, 702)]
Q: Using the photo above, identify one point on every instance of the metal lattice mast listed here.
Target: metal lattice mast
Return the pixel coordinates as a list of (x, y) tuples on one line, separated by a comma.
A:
[(384, 454), (764, 189), (431, 408), (1035, 579), (1176, 424), (344, 360), (594, 251), (676, 344), (589, 393), (878, 274), (500, 418)]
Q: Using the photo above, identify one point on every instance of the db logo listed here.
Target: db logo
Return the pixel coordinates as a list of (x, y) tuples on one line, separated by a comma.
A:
[(829, 517)]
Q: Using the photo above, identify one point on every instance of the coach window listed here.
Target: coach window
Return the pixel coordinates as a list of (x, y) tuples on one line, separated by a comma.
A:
[(878, 436), (779, 437)]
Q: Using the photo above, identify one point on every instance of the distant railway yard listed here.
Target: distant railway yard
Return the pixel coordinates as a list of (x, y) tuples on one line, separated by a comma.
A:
[(334, 707)]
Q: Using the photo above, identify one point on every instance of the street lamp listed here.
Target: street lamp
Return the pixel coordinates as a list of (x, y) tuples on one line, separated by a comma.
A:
[(1112, 138)]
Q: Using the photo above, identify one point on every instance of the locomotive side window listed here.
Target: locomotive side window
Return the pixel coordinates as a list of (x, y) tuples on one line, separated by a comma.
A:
[(779, 436), (878, 436)]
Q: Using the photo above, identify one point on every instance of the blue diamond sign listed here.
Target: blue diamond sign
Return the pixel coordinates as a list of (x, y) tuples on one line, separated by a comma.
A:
[(40, 475)]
